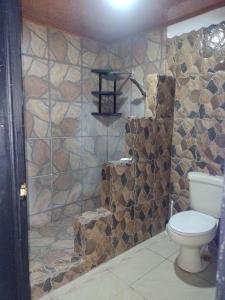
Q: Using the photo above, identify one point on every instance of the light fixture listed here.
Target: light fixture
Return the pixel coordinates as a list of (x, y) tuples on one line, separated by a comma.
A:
[(121, 3)]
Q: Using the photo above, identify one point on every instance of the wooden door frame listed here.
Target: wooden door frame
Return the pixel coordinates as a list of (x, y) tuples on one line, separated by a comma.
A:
[(12, 100)]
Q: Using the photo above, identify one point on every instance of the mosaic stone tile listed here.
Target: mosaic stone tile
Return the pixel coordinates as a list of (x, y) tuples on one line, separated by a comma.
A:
[(211, 140), (37, 118), (53, 261), (35, 77), (65, 82), (162, 177), (67, 188), (115, 147), (67, 154), (206, 166), (142, 222), (117, 126), (188, 52), (64, 47), (188, 90), (179, 182), (151, 99), (171, 57), (38, 156), (130, 136), (94, 54), (165, 97), (147, 47), (40, 193), (185, 139), (144, 179), (34, 40), (163, 139), (105, 193), (93, 236), (66, 119), (91, 183), (122, 228), (212, 96), (94, 151), (122, 177), (144, 142), (180, 203)]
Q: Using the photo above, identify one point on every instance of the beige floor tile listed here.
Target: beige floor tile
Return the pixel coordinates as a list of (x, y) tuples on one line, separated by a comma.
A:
[(166, 282), (132, 267), (161, 245), (101, 286), (128, 294)]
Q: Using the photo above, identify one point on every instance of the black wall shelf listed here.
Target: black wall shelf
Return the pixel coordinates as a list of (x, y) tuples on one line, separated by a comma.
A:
[(109, 75)]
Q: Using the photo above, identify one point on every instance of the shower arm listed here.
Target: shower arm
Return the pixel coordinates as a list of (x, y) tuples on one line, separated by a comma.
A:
[(135, 82)]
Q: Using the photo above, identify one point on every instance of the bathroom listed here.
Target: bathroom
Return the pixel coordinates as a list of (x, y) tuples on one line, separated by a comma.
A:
[(118, 140)]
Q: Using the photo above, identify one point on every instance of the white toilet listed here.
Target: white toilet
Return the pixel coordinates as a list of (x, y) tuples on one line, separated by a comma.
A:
[(195, 228)]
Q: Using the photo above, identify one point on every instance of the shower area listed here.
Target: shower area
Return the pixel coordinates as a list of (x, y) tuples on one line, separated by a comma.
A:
[(86, 205)]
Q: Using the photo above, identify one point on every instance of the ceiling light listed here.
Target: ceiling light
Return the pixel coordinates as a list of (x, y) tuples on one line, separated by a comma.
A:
[(121, 3)]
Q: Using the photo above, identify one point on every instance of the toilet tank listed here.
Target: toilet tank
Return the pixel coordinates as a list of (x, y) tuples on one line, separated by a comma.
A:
[(206, 193)]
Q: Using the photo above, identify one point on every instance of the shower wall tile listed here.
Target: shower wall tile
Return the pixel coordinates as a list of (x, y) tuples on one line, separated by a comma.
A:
[(40, 194), (94, 151), (91, 182), (64, 47), (115, 147), (37, 118), (165, 97), (92, 125), (67, 188), (35, 77), (34, 40), (94, 54), (65, 82), (67, 154), (66, 119), (38, 156)]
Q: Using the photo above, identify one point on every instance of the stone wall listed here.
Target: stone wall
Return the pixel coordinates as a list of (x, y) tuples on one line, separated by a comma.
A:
[(137, 194), (197, 62), (65, 145)]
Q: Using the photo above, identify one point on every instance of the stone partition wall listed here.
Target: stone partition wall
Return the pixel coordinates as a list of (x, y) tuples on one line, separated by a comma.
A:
[(196, 60), (137, 194)]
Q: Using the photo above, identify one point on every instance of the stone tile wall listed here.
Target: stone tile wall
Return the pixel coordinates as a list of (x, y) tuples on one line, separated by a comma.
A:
[(65, 144), (196, 60), (137, 194)]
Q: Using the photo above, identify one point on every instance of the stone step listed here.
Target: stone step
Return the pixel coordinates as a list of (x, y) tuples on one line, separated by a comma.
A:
[(52, 259), (93, 237)]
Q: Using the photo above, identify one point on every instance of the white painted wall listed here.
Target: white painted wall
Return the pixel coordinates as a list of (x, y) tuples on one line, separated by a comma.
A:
[(213, 17)]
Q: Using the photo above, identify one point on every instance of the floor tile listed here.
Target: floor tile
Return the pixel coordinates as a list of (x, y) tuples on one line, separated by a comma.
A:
[(131, 268), (176, 285), (162, 245), (128, 294)]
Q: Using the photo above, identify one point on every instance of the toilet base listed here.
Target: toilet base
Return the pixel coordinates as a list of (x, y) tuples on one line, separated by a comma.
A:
[(190, 260)]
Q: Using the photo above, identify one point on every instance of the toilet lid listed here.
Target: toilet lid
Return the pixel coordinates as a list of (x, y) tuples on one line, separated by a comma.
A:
[(192, 223)]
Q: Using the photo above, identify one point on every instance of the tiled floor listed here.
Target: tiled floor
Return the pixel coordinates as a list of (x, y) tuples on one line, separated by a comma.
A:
[(147, 271)]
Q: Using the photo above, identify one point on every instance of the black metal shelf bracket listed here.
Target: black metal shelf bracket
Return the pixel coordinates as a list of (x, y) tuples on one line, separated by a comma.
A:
[(112, 75)]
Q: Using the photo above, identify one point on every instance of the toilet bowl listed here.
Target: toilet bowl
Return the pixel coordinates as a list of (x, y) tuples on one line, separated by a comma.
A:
[(196, 228)]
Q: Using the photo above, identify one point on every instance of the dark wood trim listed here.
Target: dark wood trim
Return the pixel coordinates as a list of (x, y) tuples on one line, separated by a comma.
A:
[(18, 225)]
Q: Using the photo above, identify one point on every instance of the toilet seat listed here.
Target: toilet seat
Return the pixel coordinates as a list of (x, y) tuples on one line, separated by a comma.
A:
[(192, 223)]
